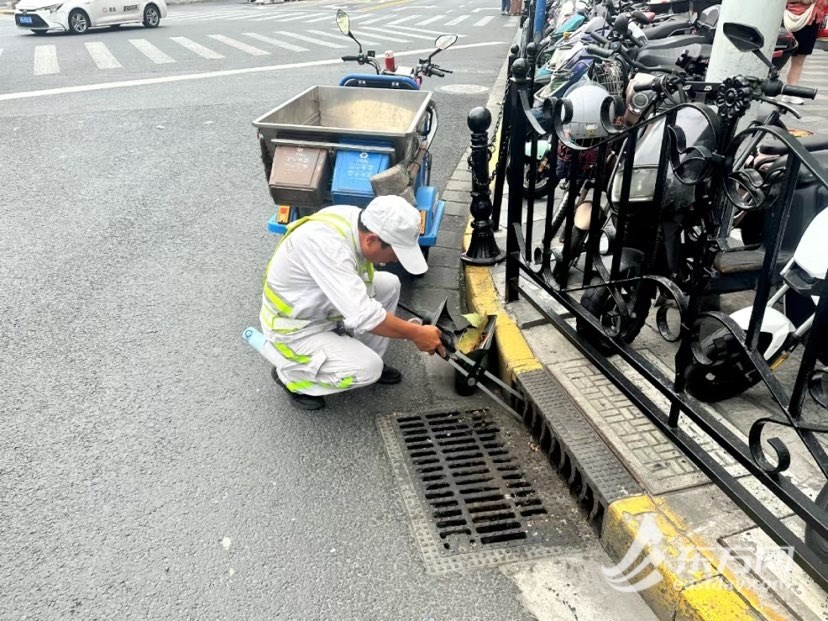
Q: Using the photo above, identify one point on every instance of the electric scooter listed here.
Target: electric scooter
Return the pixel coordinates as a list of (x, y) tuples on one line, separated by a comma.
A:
[(728, 373)]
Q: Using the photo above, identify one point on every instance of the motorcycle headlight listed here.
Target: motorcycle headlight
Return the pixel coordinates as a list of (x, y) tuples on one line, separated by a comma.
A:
[(642, 186)]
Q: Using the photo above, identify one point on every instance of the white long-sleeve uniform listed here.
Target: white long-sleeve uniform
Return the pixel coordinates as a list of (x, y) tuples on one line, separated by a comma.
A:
[(317, 279)]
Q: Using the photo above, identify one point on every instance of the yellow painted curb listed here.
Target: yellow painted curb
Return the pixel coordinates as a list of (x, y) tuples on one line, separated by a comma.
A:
[(693, 586), (516, 356)]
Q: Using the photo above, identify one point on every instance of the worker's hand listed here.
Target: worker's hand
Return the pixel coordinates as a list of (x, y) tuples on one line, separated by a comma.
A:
[(427, 339)]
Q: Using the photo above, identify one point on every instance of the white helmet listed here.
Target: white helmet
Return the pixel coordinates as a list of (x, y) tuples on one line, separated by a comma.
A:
[(586, 101)]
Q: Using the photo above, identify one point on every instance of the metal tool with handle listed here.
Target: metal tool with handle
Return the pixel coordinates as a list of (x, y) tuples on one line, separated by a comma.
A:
[(470, 367)]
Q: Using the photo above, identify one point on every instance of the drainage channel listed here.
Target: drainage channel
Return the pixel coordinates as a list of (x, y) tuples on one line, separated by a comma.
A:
[(478, 490)]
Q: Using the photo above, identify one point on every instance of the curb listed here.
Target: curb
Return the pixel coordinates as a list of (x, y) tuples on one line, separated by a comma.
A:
[(624, 513)]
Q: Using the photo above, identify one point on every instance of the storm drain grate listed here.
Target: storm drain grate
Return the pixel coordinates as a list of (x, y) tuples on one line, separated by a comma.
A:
[(473, 493)]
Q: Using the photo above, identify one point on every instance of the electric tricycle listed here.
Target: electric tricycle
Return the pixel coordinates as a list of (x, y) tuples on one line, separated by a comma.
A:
[(369, 136)]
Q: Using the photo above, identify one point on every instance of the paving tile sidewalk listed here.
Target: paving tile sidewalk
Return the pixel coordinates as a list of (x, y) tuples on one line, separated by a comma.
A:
[(607, 448)]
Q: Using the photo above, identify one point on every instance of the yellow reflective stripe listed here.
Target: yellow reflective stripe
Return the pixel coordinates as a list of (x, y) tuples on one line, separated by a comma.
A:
[(346, 382), (288, 353), (304, 384), (281, 325), (297, 386), (283, 308)]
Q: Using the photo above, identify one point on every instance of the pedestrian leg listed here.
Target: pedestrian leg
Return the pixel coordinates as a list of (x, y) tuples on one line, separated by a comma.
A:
[(328, 363)]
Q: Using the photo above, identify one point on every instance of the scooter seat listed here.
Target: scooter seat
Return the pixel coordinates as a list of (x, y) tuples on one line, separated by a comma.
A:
[(667, 29), (659, 58), (679, 41), (741, 261), (811, 143)]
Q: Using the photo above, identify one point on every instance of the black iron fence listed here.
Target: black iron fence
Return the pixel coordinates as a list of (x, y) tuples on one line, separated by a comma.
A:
[(658, 243)]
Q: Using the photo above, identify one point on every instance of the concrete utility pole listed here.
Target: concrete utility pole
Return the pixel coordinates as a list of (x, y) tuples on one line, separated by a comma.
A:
[(726, 60)]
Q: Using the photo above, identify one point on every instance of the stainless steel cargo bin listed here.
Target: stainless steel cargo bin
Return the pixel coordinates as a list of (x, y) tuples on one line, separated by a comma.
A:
[(331, 115)]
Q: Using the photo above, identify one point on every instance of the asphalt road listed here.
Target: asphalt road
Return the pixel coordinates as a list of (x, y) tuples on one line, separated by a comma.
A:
[(149, 467)]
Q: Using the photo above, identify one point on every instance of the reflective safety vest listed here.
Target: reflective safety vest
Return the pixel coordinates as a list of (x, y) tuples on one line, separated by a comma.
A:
[(276, 314)]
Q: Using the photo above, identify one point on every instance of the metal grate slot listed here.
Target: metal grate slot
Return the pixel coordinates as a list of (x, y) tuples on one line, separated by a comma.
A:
[(473, 495)]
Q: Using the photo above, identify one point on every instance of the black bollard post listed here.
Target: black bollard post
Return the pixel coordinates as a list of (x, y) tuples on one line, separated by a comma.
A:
[(483, 249)]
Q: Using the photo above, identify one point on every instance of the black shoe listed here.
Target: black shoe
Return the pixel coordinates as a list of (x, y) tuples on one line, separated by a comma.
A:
[(303, 402), (389, 375)]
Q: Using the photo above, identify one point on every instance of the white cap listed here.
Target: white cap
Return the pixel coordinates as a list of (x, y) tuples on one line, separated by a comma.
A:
[(397, 222)]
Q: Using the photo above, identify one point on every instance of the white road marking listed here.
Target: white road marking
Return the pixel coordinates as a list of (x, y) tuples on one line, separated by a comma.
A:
[(510, 23), (276, 42), (223, 15), (433, 33), (339, 36), (151, 52), (402, 34), (293, 18), (327, 16), (403, 19), (294, 35), (371, 21), (278, 16), (484, 21), (45, 60), (383, 37), (457, 20), (65, 90), (101, 55), (426, 22), (248, 49), (197, 48)]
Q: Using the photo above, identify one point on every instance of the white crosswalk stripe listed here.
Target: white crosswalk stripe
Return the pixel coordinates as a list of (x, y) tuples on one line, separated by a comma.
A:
[(327, 16), (197, 48), (510, 23), (45, 60), (484, 21), (266, 18), (430, 20), (339, 36), (457, 20), (249, 49), (293, 18), (403, 34), (407, 18), (227, 16), (384, 37), (151, 52), (276, 42), (433, 33), (294, 35), (371, 21), (101, 55)]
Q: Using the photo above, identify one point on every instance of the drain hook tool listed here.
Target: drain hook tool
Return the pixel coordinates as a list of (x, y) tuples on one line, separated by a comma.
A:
[(469, 366)]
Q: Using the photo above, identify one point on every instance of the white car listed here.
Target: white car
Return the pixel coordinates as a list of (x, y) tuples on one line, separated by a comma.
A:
[(78, 16)]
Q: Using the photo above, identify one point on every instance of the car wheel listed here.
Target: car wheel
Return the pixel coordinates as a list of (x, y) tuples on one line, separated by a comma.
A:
[(78, 22), (152, 17)]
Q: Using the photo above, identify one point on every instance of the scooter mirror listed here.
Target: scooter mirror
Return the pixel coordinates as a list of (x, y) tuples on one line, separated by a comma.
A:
[(343, 20), (445, 41), (744, 38)]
